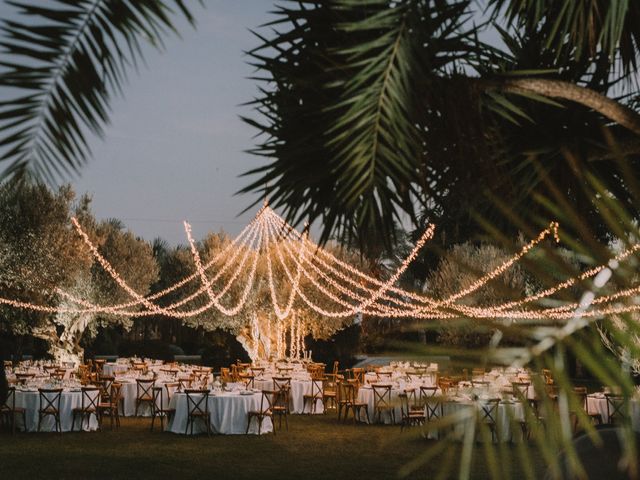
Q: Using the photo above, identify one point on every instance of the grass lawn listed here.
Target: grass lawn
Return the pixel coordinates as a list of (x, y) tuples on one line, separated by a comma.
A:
[(315, 447)]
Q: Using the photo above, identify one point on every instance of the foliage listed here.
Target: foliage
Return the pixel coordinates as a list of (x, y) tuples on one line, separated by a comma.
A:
[(63, 61), (406, 111)]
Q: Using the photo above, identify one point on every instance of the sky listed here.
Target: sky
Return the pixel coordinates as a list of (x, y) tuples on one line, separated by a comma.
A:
[(174, 149)]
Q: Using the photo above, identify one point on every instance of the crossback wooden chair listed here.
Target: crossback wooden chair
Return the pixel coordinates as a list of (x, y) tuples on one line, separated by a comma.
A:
[(50, 406), (105, 388), (520, 390), (144, 392), (357, 374), (349, 401), (410, 415), (89, 406), (265, 410), (336, 366), (616, 408), (159, 409), (111, 406), (330, 393), (383, 376), (225, 375), (99, 365), (281, 400), (489, 416), (197, 409), (183, 383), (58, 374), (256, 371), (314, 396), (432, 404), (478, 373), (382, 403), (235, 373), (9, 410), (479, 383), (23, 378), (171, 388), (248, 380)]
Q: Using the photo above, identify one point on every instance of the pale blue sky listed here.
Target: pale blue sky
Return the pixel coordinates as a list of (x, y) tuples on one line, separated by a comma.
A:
[(174, 148)]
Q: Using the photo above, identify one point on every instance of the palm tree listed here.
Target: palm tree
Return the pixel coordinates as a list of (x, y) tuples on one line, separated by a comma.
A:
[(62, 62), (377, 108)]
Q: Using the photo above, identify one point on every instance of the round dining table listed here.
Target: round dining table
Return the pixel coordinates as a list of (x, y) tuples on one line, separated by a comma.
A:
[(29, 399), (228, 413)]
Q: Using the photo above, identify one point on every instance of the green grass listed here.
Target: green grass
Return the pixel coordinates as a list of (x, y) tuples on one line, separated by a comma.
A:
[(315, 447)]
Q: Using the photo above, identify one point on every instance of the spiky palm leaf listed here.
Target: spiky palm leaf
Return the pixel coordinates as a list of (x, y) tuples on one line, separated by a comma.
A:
[(62, 62)]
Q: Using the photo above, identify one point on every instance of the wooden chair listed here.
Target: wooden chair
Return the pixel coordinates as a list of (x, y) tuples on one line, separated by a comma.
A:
[(265, 411), (357, 374), (8, 411), (336, 366), (382, 402), (479, 383), (256, 371), (520, 390), (330, 393), (411, 416), (58, 374), (248, 380), (111, 407), (105, 388), (281, 400), (478, 373), (225, 375), (144, 393), (349, 395), (489, 416), (23, 378), (171, 388), (197, 409), (383, 376), (314, 397), (99, 365), (50, 406), (158, 409), (616, 408), (89, 406), (433, 405)]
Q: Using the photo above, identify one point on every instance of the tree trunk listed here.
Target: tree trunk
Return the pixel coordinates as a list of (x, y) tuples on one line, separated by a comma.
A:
[(560, 89)]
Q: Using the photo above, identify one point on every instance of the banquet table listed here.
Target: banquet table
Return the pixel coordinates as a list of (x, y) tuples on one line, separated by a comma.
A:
[(29, 399), (299, 388), (228, 413), (114, 369), (597, 403)]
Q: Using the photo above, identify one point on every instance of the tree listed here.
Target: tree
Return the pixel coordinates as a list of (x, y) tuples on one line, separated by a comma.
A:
[(397, 107), (41, 255)]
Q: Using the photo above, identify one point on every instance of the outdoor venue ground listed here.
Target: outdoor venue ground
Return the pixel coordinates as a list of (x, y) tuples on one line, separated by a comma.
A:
[(314, 447)]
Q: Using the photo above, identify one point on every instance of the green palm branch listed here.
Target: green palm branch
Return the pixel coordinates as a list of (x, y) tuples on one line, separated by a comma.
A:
[(62, 62)]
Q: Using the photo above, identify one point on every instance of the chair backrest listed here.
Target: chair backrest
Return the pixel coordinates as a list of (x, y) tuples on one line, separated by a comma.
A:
[(90, 398), (225, 375), (478, 372), (336, 365), (197, 401), (489, 413), (383, 376), (266, 400), (316, 388), (347, 391), (23, 377), (616, 407), (479, 383), (581, 393), (144, 388), (50, 398), (548, 378), (158, 399), (412, 397), (171, 388), (330, 384), (520, 389), (381, 396), (105, 385), (256, 371), (282, 384), (116, 393), (248, 380), (357, 374)]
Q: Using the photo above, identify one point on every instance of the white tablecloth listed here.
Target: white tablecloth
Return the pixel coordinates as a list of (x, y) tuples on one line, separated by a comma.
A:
[(229, 414), (597, 403), (69, 400), (113, 369)]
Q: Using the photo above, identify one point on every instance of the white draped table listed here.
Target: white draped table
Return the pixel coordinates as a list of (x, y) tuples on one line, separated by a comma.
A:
[(299, 388), (228, 411), (597, 403), (70, 399)]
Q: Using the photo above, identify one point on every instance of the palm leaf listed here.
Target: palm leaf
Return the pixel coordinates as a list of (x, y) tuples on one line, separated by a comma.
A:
[(62, 62)]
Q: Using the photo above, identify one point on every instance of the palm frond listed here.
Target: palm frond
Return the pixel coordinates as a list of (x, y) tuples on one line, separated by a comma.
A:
[(62, 62)]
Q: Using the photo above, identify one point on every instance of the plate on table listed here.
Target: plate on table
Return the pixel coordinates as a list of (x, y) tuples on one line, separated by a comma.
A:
[(245, 392)]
